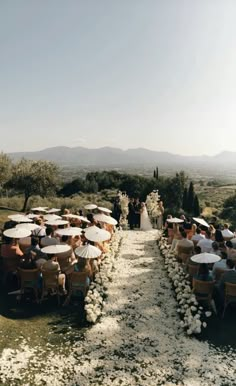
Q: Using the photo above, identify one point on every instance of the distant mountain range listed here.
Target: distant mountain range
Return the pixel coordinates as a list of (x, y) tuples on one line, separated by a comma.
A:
[(114, 157)]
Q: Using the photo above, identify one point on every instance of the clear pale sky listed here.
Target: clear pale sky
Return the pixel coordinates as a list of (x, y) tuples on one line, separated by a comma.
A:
[(159, 74)]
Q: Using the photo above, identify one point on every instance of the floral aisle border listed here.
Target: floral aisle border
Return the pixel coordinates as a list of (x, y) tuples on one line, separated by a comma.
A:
[(94, 300), (193, 316)]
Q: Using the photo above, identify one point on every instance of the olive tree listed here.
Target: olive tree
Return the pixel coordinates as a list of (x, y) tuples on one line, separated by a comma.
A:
[(34, 178), (5, 168)]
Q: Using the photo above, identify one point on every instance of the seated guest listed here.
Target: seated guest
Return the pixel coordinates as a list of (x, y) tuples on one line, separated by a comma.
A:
[(83, 265), (28, 261), (204, 273), (53, 265), (206, 244), (215, 249), (41, 231), (91, 219), (231, 251), (221, 264), (10, 248), (218, 236), (36, 249), (226, 233), (228, 277), (49, 239), (184, 248), (212, 229), (197, 236)]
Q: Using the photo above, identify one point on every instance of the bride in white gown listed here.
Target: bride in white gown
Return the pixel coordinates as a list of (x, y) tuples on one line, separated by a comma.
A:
[(145, 223)]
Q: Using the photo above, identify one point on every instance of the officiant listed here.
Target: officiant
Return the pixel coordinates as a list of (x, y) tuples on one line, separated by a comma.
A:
[(137, 209)]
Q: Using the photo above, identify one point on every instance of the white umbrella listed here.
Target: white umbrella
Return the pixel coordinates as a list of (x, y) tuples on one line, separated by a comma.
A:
[(53, 210), (17, 233), (72, 231), (19, 218), (28, 226), (40, 209), (55, 249), (70, 215), (51, 217), (105, 210), (201, 221), (57, 222), (96, 234), (32, 215), (90, 206), (83, 219), (88, 252), (206, 258), (175, 220), (103, 218)]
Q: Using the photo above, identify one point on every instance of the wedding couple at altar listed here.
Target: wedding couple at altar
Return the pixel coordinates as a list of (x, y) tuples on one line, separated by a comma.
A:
[(138, 215)]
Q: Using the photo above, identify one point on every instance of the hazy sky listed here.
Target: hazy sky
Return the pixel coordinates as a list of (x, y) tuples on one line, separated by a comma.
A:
[(159, 74)]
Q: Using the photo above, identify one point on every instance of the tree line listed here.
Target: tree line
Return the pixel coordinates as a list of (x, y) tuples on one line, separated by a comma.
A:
[(43, 178)]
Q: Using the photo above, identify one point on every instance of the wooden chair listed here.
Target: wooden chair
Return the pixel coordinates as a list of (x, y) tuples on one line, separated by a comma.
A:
[(50, 284), (192, 270), (203, 290), (29, 279), (230, 295), (9, 266), (78, 282)]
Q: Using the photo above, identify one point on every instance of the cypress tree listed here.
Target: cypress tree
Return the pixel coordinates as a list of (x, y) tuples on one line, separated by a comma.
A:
[(190, 200), (196, 206), (185, 200), (157, 173)]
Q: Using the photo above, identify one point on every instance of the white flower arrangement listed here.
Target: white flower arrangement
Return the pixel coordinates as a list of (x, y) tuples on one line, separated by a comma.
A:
[(124, 202), (190, 311), (152, 204), (94, 300)]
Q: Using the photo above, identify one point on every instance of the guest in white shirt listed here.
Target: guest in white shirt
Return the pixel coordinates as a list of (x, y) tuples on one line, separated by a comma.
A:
[(206, 244)]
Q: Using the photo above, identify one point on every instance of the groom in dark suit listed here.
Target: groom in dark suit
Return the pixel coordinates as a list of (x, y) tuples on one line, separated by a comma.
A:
[(131, 215)]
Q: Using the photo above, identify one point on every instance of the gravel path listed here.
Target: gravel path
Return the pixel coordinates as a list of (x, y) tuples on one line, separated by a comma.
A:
[(138, 341)]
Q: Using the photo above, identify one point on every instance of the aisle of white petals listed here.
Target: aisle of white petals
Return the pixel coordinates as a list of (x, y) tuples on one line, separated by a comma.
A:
[(138, 340)]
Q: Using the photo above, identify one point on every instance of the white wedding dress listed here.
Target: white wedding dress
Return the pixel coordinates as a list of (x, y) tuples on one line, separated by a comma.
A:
[(145, 223)]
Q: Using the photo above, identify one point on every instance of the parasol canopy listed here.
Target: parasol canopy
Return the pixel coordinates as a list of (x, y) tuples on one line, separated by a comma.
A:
[(88, 252), (51, 217), (105, 210), (40, 209), (57, 222), (174, 220), (72, 231), (96, 234), (90, 206), (103, 218), (19, 218), (53, 210), (206, 258), (201, 221), (17, 233), (28, 226), (56, 249)]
